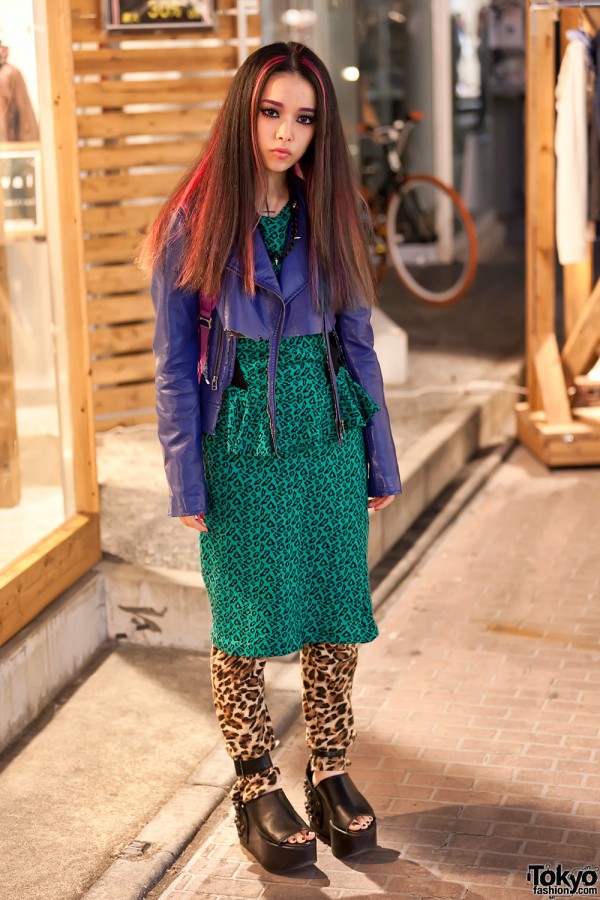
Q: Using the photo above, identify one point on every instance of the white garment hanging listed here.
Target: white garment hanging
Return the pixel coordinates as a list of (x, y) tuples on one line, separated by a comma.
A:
[(572, 152)]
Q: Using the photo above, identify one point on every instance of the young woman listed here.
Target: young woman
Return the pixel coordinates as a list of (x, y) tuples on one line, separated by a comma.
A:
[(276, 456)]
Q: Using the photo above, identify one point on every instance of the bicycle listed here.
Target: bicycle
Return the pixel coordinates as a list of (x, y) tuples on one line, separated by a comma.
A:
[(420, 223)]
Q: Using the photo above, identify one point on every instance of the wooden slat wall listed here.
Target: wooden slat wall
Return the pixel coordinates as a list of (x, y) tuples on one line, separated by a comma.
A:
[(140, 125)]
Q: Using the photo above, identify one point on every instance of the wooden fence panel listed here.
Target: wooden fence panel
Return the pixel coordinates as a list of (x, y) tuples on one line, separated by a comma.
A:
[(145, 105)]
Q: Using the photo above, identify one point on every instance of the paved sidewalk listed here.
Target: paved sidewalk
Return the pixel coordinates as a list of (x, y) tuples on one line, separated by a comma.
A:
[(477, 711)]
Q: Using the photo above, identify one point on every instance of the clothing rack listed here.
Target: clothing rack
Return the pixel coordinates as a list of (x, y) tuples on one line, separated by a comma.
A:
[(557, 5), (540, 5), (560, 423)]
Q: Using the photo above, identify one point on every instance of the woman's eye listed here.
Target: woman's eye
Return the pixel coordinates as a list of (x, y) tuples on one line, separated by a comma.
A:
[(269, 112), (306, 120)]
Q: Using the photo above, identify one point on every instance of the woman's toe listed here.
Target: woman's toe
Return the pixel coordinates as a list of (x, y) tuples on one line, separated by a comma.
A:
[(298, 838)]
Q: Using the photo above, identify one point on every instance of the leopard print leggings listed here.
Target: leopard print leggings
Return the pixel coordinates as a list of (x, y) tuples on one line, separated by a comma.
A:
[(239, 696)]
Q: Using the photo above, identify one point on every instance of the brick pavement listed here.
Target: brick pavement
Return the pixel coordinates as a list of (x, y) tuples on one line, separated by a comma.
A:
[(477, 711)]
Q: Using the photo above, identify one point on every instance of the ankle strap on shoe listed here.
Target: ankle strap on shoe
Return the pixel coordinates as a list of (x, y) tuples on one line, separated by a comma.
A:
[(329, 753), (244, 767)]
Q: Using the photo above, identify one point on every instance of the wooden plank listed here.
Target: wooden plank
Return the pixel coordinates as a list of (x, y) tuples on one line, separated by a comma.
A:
[(69, 222), (35, 578), (164, 90), (86, 30), (119, 248), (118, 279), (112, 61), (530, 198), (584, 451), (577, 287), (114, 310), (108, 188), (540, 176), (80, 8), (579, 352), (10, 479), (115, 125), (590, 415), (551, 381), (125, 399), (587, 391), (115, 219), (121, 339), (89, 28), (122, 369), (125, 420), (577, 277), (150, 153), (568, 18), (530, 433)]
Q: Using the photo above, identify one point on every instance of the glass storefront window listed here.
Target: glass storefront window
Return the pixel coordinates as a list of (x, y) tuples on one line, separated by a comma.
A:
[(330, 30), (36, 471)]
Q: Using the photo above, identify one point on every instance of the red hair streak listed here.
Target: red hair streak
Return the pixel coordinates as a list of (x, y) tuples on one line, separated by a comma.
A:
[(258, 88)]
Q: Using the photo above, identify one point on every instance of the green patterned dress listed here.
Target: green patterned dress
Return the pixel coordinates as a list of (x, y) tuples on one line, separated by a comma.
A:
[(285, 557)]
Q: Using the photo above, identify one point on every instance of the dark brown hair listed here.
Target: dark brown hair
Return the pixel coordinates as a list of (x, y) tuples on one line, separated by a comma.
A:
[(217, 194)]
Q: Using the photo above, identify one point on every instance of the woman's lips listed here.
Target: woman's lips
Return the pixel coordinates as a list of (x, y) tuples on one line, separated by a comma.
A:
[(281, 153)]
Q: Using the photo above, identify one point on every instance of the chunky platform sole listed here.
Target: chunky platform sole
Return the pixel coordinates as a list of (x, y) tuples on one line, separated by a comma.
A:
[(343, 843), (278, 858)]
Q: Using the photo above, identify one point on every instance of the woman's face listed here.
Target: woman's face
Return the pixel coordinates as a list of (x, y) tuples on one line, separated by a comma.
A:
[(286, 120)]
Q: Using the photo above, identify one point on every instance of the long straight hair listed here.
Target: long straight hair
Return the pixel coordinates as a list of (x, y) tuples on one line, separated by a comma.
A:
[(217, 195)]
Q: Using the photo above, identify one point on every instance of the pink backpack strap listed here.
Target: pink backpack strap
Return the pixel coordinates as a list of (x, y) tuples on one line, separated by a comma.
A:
[(207, 305)]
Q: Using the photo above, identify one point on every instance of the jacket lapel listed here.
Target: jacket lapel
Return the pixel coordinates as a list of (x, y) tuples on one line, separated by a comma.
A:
[(294, 268)]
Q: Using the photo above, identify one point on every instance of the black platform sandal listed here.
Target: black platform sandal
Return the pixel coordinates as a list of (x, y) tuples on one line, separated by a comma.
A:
[(264, 824), (332, 804)]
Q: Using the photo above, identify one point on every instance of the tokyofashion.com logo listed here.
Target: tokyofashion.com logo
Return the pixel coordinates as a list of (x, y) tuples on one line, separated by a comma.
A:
[(559, 882)]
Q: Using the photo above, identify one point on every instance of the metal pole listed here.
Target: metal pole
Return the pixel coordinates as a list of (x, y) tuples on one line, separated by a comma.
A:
[(539, 5)]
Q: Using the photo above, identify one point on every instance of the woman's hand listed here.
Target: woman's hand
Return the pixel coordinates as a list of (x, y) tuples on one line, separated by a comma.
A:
[(378, 503), (196, 522)]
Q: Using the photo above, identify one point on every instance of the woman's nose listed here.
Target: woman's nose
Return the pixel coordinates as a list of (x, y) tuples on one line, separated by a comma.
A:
[(285, 131)]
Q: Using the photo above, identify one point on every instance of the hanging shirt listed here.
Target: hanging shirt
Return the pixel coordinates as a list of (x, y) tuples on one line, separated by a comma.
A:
[(572, 152)]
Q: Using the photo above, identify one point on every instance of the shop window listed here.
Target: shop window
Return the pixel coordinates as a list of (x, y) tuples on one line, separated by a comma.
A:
[(48, 513)]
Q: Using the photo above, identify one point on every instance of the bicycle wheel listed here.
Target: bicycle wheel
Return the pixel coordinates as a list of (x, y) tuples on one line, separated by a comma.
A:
[(431, 240)]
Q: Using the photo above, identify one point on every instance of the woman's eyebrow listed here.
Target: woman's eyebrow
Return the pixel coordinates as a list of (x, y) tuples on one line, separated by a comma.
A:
[(280, 105)]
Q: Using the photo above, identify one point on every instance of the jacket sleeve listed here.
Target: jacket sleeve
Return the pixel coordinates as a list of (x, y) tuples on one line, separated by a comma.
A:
[(356, 337), (175, 349)]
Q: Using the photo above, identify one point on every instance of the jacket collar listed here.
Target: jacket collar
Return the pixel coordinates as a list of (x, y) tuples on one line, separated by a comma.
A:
[(294, 268)]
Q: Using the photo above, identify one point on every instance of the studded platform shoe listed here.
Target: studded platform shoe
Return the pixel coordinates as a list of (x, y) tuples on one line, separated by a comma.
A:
[(332, 805), (265, 823)]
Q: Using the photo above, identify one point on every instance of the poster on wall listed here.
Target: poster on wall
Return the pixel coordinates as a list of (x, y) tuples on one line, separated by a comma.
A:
[(139, 16), (20, 182)]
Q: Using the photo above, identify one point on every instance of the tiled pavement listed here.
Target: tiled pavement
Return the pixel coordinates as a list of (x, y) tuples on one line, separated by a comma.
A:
[(478, 713)]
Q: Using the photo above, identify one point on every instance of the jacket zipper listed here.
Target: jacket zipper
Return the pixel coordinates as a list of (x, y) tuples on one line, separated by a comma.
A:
[(341, 428), (282, 301), (339, 347), (273, 436), (215, 379)]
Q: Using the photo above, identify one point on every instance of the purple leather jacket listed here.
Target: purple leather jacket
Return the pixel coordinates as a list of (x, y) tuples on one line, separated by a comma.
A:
[(187, 409)]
